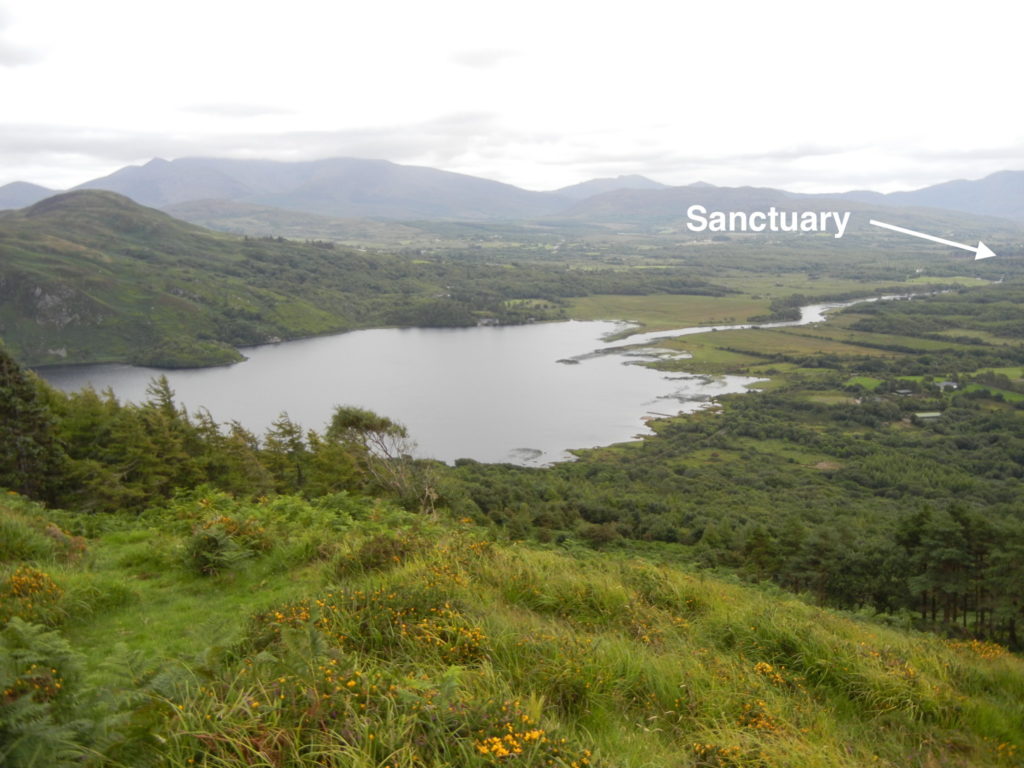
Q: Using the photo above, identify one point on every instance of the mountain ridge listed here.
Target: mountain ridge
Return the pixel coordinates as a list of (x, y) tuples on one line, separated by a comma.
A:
[(593, 187), (338, 187), (354, 188), (19, 194)]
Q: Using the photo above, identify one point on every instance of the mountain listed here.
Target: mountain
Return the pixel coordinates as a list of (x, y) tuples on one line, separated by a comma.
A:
[(159, 182), (593, 187), (339, 187), (667, 208), (263, 196), (669, 204), (1000, 194), (18, 194)]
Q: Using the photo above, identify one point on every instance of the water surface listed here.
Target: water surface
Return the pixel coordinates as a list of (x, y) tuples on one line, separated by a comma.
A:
[(491, 393), (525, 394)]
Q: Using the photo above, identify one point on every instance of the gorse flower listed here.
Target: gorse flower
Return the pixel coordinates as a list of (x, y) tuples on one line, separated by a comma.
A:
[(29, 594)]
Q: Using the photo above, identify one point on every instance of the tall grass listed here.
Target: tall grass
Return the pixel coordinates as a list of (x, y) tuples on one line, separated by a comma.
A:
[(364, 636)]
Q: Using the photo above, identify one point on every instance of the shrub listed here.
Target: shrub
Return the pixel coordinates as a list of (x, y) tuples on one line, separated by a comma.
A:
[(210, 551), (30, 594), (379, 553), (223, 542), (38, 675)]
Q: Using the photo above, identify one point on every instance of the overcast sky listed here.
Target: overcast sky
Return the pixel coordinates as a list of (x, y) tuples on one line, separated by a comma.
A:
[(806, 96)]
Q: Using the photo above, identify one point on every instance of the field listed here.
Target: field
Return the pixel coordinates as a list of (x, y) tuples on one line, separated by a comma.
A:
[(662, 311)]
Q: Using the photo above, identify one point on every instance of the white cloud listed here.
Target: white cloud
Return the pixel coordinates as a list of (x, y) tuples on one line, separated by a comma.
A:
[(482, 58), (237, 110), (791, 94), (13, 54)]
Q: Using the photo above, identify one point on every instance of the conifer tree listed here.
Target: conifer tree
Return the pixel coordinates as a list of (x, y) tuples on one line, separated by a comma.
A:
[(31, 458)]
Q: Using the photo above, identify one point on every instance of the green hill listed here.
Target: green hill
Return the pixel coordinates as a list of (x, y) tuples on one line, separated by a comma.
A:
[(91, 276), (346, 632)]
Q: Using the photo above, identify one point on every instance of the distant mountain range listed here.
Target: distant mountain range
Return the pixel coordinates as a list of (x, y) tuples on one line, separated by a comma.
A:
[(342, 187), (599, 186), (19, 194), (255, 196), (1000, 194)]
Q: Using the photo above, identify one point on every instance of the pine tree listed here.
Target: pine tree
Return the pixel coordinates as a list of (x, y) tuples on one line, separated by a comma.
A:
[(31, 458)]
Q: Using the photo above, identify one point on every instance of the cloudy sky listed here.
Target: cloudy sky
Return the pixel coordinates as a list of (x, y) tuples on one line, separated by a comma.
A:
[(807, 96)]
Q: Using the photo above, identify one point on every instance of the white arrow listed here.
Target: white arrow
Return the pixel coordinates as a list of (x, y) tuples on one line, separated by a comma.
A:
[(981, 252)]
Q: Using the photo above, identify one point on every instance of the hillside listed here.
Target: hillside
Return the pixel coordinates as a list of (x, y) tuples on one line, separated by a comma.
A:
[(347, 632), (267, 221), (90, 276)]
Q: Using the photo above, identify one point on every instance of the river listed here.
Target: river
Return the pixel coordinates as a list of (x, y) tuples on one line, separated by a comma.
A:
[(493, 394)]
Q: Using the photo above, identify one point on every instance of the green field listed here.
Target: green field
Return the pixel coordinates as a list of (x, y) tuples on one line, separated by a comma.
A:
[(743, 351), (839, 334), (662, 312), (867, 382)]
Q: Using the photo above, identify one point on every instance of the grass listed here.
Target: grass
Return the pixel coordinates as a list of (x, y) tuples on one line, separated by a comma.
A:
[(867, 382), (810, 284), (398, 641), (962, 280), (884, 340), (749, 352), (663, 311)]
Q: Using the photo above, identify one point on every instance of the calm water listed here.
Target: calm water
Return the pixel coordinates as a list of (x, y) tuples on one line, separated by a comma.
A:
[(492, 394), (523, 394)]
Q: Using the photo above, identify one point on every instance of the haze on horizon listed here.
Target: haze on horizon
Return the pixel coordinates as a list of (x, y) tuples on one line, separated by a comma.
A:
[(793, 95)]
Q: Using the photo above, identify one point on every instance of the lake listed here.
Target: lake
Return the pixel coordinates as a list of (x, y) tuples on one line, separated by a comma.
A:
[(492, 393), (524, 394)]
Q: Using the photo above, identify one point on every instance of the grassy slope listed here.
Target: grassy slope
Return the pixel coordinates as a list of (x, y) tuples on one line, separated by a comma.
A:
[(365, 636), (100, 278)]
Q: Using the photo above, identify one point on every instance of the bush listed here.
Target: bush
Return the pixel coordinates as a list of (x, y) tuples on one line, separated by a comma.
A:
[(31, 595), (379, 553), (38, 675), (210, 551)]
